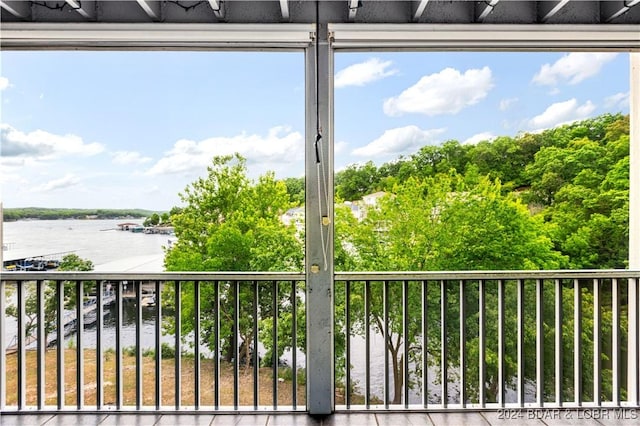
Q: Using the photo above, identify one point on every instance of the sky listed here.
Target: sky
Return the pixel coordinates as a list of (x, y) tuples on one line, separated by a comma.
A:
[(134, 129)]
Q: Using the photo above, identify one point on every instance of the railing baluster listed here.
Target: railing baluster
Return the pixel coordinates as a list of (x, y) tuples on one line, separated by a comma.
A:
[(615, 343), (633, 351), (119, 369), (138, 352), (42, 343), (443, 344), (501, 390), (3, 354), (22, 352), (539, 343), (405, 337), (60, 344), (79, 344), (216, 356), (347, 343), (596, 342), (158, 346), (481, 343), (577, 342), (236, 343), (463, 354), (425, 365), (520, 344), (294, 344), (275, 344), (99, 331), (367, 344), (559, 371), (178, 345), (256, 370), (387, 338), (196, 348)]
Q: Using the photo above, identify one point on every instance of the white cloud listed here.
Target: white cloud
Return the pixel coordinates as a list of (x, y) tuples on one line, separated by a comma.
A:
[(446, 92), (484, 136), (562, 113), (129, 157), (340, 147), (505, 104), (42, 145), (363, 73), (572, 68), (617, 101), (4, 83), (399, 141), (275, 151), (62, 183)]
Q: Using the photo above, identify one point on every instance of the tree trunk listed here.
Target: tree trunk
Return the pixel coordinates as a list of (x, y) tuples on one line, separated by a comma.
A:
[(398, 377)]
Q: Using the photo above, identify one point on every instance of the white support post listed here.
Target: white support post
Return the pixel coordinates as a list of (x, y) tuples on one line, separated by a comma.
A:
[(319, 225), (633, 370)]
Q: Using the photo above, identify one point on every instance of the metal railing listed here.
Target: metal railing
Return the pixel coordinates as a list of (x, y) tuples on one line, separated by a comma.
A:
[(486, 340), (167, 342), (236, 341)]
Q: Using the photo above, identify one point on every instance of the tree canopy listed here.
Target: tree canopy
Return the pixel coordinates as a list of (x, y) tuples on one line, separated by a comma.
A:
[(230, 223)]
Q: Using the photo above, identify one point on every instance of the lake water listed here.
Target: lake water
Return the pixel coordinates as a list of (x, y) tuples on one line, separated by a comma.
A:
[(100, 241), (110, 250)]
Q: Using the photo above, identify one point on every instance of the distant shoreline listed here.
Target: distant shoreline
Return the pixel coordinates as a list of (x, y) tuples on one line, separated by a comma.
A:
[(40, 213)]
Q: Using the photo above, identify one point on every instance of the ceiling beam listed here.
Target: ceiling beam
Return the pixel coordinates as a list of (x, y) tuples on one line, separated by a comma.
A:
[(353, 9), (420, 10), (548, 9), (485, 9), (615, 9), (284, 9), (151, 36), (473, 37), (19, 9), (218, 10), (151, 8), (85, 8)]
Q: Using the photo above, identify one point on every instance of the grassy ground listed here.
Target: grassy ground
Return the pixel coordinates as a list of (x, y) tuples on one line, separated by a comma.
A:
[(206, 385)]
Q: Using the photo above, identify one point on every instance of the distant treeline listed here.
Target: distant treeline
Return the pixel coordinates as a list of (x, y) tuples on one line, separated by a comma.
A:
[(11, 214), (574, 178)]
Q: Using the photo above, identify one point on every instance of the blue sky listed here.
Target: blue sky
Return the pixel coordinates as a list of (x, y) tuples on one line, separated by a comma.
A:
[(133, 129)]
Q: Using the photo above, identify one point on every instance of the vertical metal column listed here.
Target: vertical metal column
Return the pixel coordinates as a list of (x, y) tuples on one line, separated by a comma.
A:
[(319, 222), (633, 372)]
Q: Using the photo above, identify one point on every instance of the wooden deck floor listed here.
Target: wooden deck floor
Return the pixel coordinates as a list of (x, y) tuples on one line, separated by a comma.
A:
[(549, 417)]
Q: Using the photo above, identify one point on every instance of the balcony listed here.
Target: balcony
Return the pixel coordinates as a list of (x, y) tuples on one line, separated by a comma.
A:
[(522, 341)]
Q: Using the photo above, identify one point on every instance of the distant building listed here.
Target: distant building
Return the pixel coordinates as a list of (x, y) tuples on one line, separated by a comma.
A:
[(371, 200), (128, 226)]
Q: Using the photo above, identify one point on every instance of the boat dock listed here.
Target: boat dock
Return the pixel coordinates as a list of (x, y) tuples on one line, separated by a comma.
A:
[(90, 316), (21, 260)]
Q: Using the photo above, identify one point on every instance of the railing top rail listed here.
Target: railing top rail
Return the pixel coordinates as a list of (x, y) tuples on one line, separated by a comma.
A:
[(486, 275), (339, 276), (156, 276)]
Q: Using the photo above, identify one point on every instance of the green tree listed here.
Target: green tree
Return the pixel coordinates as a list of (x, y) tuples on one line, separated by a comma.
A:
[(70, 262), (356, 181), (230, 223), (73, 262), (295, 189), (152, 220), (439, 223)]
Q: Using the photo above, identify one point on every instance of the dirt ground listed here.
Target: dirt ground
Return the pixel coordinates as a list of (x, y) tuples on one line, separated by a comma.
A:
[(206, 385)]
